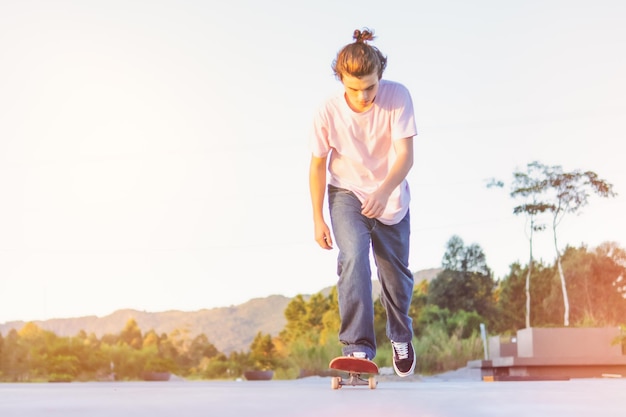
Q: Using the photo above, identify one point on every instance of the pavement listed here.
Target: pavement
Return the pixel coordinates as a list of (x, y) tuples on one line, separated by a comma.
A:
[(441, 396)]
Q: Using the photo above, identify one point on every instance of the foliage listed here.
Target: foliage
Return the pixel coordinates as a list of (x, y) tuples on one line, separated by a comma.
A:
[(549, 189), (597, 285), (465, 283), (529, 186), (263, 352), (511, 305), (307, 359), (308, 319), (459, 330), (447, 313), (33, 354), (440, 352), (131, 335), (460, 322), (569, 192)]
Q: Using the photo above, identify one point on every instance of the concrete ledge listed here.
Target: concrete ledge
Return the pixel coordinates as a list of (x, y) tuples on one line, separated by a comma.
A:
[(512, 369), (554, 353), (568, 342), (556, 361), (509, 378), (480, 364)]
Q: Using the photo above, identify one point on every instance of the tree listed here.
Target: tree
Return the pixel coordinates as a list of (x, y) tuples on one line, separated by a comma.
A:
[(131, 335), (331, 321), (596, 286), (548, 189), (201, 348), (466, 282), (177, 345), (467, 259), (511, 304), (511, 301), (127, 362), (2, 370), (295, 313), (528, 186), (595, 281), (568, 192), (151, 338), (167, 348), (617, 255), (91, 359), (35, 341), (263, 352), (418, 304), (306, 319), (14, 364)]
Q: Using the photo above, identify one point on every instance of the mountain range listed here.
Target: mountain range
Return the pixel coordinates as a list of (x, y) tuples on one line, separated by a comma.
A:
[(228, 328)]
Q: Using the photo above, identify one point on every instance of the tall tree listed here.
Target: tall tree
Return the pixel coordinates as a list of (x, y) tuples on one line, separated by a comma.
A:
[(569, 192), (511, 302), (595, 280), (549, 189), (528, 187), (466, 281)]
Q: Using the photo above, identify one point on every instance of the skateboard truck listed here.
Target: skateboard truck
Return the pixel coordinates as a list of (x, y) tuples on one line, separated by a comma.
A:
[(355, 380)]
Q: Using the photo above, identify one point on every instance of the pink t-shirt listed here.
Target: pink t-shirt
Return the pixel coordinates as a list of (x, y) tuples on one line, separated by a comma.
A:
[(361, 144)]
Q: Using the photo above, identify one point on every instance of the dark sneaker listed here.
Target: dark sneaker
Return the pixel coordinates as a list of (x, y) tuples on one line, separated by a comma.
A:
[(403, 358)]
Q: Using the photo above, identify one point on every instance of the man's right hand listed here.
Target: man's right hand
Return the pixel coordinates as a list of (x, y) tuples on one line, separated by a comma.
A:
[(323, 236)]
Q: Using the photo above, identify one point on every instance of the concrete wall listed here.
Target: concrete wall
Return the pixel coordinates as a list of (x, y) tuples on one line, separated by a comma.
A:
[(568, 342), (499, 349)]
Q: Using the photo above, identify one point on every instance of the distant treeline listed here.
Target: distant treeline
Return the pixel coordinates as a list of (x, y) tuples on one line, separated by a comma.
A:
[(447, 314)]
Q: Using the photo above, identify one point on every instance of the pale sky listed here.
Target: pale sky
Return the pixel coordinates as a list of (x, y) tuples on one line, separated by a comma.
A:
[(154, 154)]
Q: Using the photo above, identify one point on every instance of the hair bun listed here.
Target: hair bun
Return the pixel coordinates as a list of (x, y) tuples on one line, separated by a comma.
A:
[(363, 36)]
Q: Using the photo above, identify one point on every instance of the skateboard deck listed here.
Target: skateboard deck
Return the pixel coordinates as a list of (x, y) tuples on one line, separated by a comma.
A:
[(355, 367)]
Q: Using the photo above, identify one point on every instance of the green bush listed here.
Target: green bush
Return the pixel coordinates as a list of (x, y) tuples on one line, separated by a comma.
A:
[(439, 352)]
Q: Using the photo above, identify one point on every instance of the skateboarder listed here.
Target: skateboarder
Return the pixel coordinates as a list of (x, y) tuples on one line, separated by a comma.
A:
[(364, 137)]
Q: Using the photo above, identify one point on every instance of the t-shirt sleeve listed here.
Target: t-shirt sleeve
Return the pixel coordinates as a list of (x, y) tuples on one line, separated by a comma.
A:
[(403, 125), (318, 141)]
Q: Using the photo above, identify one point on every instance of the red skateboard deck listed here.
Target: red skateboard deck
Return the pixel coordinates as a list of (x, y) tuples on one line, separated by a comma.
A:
[(354, 367)]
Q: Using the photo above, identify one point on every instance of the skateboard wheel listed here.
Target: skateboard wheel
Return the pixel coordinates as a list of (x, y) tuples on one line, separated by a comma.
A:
[(335, 382), (372, 382)]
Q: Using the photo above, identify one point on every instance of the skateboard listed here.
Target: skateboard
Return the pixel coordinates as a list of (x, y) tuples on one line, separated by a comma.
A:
[(355, 367)]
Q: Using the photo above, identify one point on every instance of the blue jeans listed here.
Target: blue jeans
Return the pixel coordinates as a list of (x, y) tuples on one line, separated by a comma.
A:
[(354, 233)]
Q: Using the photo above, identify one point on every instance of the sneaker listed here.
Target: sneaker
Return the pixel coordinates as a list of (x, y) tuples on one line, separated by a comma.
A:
[(403, 358), (360, 355)]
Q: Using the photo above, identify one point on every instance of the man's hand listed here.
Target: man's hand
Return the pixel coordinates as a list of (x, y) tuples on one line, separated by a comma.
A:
[(317, 185), (375, 204), (322, 236)]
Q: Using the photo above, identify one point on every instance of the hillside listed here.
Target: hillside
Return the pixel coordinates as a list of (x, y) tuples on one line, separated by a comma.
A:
[(228, 328)]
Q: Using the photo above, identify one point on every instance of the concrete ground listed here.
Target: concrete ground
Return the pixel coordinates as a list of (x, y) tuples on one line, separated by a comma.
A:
[(452, 395)]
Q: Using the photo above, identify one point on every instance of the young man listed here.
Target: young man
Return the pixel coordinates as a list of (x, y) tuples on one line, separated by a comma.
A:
[(364, 136)]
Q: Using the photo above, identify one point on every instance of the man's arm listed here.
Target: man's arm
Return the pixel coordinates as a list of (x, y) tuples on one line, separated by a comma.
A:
[(317, 186), (375, 203)]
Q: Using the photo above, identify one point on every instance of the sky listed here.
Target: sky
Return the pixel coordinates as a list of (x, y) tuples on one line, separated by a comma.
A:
[(154, 154)]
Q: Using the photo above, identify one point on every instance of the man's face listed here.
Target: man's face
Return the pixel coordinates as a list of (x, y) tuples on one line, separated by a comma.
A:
[(360, 92)]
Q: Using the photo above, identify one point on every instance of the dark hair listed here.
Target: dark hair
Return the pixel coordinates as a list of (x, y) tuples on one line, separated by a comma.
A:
[(359, 59)]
